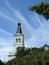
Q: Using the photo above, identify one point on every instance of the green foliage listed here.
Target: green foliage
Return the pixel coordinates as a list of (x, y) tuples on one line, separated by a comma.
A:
[(41, 8), (1, 63), (31, 56)]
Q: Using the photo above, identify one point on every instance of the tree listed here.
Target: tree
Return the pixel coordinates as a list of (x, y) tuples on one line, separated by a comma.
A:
[(20, 52), (30, 56), (41, 8), (1, 63)]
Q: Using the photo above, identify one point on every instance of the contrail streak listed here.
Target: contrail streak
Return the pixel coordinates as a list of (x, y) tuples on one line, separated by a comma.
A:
[(1, 30), (6, 17), (38, 20), (19, 16)]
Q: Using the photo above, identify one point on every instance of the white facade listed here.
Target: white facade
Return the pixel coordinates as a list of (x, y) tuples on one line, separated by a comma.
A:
[(19, 39)]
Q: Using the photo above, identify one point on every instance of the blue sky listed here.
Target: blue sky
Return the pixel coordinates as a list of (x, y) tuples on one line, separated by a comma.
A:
[(35, 28)]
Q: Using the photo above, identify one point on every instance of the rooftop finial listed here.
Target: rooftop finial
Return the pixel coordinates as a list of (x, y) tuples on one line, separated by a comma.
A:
[(19, 23)]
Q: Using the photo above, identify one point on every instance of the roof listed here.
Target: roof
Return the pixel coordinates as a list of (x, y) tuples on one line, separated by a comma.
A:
[(19, 30)]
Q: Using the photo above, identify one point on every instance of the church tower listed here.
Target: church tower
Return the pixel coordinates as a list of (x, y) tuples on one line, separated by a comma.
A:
[(19, 37), (19, 40)]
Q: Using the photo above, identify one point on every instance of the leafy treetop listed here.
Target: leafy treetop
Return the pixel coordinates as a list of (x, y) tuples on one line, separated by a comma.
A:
[(41, 8), (31, 56)]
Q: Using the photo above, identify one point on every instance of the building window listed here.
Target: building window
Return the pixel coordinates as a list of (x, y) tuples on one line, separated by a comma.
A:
[(17, 40)]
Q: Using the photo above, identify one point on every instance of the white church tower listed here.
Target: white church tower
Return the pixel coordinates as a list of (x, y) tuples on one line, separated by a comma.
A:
[(19, 37), (19, 41)]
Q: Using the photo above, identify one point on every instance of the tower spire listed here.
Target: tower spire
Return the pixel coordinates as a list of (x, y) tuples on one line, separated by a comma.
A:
[(19, 30), (19, 36)]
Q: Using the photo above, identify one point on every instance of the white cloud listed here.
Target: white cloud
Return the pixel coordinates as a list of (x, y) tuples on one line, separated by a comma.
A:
[(5, 46), (20, 17), (6, 17), (2, 30), (39, 37), (36, 16), (2, 42), (4, 53), (9, 5), (6, 42)]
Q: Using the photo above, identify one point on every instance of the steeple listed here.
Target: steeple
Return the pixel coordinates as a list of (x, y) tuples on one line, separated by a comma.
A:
[(19, 36), (19, 41), (19, 30)]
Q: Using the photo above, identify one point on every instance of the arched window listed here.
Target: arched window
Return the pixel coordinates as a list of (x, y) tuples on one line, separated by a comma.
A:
[(17, 40)]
